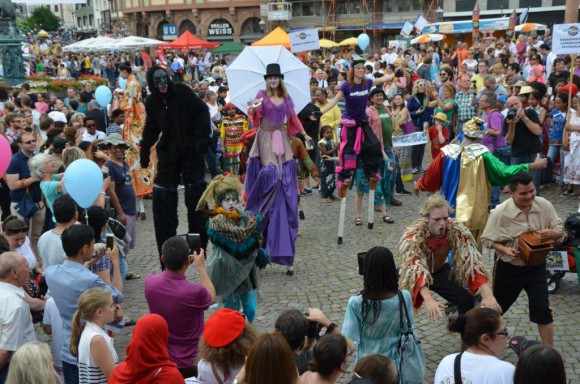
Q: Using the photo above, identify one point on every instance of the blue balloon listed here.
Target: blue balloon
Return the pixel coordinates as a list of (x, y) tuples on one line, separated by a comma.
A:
[(363, 41), (83, 180), (103, 95)]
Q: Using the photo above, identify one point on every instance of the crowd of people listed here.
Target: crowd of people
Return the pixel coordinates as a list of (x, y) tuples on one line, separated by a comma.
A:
[(489, 114)]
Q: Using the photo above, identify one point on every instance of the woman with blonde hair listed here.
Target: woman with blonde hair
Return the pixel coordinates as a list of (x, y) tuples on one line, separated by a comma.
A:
[(222, 354), (91, 343), (32, 364), (71, 154)]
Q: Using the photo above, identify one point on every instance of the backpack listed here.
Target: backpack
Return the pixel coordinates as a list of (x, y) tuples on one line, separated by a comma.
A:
[(414, 77)]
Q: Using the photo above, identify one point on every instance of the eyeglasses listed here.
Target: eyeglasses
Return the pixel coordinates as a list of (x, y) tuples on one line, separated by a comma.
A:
[(502, 333), (29, 142)]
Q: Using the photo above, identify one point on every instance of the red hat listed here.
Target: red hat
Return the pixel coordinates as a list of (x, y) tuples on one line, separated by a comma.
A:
[(566, 89), (229, 106), (223, 327)]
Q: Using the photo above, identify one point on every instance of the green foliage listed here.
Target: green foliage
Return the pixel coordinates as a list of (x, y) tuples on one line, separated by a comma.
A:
[(43, 18), (25, 25)]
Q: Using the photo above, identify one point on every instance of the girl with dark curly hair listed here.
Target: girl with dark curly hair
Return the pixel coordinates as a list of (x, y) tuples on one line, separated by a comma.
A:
[(377, 308)]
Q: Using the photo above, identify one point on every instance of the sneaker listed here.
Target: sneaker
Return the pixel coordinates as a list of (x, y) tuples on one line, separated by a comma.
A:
[(143, 216), (415, 171), (403, 192), (301, 215), (306, 191), (396, 202)]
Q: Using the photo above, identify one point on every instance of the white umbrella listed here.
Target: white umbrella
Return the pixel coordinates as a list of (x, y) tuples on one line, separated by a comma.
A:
[(99, 43), (528, 27), (133, 42), (246, 75), (75, 47), (427, 38)]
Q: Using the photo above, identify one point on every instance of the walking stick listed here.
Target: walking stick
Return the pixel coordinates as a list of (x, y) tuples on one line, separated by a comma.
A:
[(371, 218)]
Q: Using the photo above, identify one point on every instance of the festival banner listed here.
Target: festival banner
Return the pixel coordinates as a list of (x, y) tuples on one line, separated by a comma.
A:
[(407, 29), (566, 39), (524, 16), (410, 139), (420, 23), (511, 24), (475, 20)]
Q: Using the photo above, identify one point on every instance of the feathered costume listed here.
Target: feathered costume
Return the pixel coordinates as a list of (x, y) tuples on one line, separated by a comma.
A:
[(413, 250)]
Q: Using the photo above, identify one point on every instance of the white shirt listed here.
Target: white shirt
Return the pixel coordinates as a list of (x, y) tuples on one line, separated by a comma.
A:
[(25, 251), (549, 62), (89, 371), (475, 369), (391, 57), (15, 319), (52, 318), (97, 136)]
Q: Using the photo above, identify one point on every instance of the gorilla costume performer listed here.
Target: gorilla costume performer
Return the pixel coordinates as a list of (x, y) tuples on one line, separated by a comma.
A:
[(178, 124)]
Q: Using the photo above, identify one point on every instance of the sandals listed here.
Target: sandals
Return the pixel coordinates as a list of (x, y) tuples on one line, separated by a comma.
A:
[(357, 221), (388, 219), (568, 192), (132, 276)]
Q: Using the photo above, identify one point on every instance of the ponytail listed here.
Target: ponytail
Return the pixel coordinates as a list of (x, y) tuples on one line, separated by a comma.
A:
[(77, 329)]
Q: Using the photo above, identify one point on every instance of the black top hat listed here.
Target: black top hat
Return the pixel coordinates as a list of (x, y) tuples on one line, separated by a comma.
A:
[(273, 70)]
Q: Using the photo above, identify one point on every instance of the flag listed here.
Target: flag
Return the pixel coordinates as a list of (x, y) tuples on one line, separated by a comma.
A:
[(524, 16), (420, 23), (475, 20), (511, 24)]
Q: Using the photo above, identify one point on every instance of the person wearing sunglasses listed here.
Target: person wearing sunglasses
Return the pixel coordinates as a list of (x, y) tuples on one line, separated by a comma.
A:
[(91, 134), (24, 186), (484, 333)]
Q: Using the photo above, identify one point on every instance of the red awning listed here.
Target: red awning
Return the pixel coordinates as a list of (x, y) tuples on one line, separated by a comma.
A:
[(188, 41)]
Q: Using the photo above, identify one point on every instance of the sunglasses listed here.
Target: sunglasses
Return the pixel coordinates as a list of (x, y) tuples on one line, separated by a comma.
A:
[(29, 142), (443, 74)]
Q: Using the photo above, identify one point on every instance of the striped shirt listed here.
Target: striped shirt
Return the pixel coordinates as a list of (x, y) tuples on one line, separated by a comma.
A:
[(89, 371)]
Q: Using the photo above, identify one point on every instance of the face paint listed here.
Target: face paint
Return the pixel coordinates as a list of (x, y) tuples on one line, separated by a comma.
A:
[(229, 203), (160, 80)]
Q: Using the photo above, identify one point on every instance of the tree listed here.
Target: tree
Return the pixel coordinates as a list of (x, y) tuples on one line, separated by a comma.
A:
[(43, 18)]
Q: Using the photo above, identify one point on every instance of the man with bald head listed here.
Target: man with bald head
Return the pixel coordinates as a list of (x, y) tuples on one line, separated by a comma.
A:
[(15, 319)]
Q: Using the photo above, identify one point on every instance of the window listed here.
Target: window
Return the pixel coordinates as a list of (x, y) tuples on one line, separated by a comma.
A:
[(56, 8), (530, 3), (498, 4), (307, 8), (558, 2), (79, 21), (84, 21), (463, 5), (394, 6), (91, 20)]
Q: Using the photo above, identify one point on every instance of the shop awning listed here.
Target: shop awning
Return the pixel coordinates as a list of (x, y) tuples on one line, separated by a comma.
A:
[(396, 25)]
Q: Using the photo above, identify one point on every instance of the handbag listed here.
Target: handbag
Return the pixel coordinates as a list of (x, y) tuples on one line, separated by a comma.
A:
[(409, 349), (27, 207)]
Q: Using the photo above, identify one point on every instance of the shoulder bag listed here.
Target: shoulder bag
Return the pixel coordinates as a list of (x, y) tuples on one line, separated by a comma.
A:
[(409, 349), (457, 369), (27, 207)]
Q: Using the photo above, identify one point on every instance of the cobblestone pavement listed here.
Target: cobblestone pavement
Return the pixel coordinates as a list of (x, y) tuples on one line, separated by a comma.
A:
[(326, 276)]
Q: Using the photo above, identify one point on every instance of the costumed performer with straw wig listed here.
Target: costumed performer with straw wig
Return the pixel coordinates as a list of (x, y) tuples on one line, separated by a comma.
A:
[(236, 239), (271, 185)]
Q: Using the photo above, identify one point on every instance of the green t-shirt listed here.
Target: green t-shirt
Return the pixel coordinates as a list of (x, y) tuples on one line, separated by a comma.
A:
[(387, 124), (449, 113)]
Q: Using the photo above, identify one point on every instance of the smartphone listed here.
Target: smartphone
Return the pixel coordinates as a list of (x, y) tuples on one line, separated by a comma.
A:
[(110, 241), (194, 242), (550, 90)]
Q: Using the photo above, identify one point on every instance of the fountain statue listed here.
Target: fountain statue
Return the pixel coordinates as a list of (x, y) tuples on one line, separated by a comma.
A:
[(10, 44)]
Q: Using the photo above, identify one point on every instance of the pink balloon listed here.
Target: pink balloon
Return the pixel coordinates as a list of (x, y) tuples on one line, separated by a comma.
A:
[(5, 155)]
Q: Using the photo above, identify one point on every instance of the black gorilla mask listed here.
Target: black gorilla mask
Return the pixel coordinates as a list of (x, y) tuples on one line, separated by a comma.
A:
[(160, 80)]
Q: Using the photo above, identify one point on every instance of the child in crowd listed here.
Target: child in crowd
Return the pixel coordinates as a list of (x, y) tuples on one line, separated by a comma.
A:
[(438, 134), (327, 148), (91, 343), (118, 117), (231, 128)]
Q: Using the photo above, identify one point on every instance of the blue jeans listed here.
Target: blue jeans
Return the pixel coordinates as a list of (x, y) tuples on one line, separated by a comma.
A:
[(70, 373), (536, 175), (123, 266), (248, 300), (553, 151)]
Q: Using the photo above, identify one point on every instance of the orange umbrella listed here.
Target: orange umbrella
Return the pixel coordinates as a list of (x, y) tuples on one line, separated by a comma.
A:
[(276, 37)]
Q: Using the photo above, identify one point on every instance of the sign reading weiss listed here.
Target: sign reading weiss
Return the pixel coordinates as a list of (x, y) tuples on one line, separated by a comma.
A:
[(566, 39), (220, 27)]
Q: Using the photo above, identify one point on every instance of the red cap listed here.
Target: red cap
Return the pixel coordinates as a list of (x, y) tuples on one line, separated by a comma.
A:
[(229, 106), (223, 327), (566, 89)]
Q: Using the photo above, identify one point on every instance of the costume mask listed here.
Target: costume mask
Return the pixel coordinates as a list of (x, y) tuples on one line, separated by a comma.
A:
[(160, 80), (229, 203)]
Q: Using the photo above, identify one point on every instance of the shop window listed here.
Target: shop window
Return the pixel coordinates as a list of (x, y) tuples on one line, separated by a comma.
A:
[(558, 2), (498, 4), (530, 3)]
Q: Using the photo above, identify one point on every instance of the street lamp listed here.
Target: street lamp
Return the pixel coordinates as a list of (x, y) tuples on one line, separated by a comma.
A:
[(439, 14)]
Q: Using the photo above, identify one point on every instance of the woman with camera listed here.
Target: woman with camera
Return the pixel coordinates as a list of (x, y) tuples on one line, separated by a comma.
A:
[(372, 319)]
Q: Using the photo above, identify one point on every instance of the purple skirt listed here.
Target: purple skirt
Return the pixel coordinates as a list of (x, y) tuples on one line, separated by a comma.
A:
[(275, 197)]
